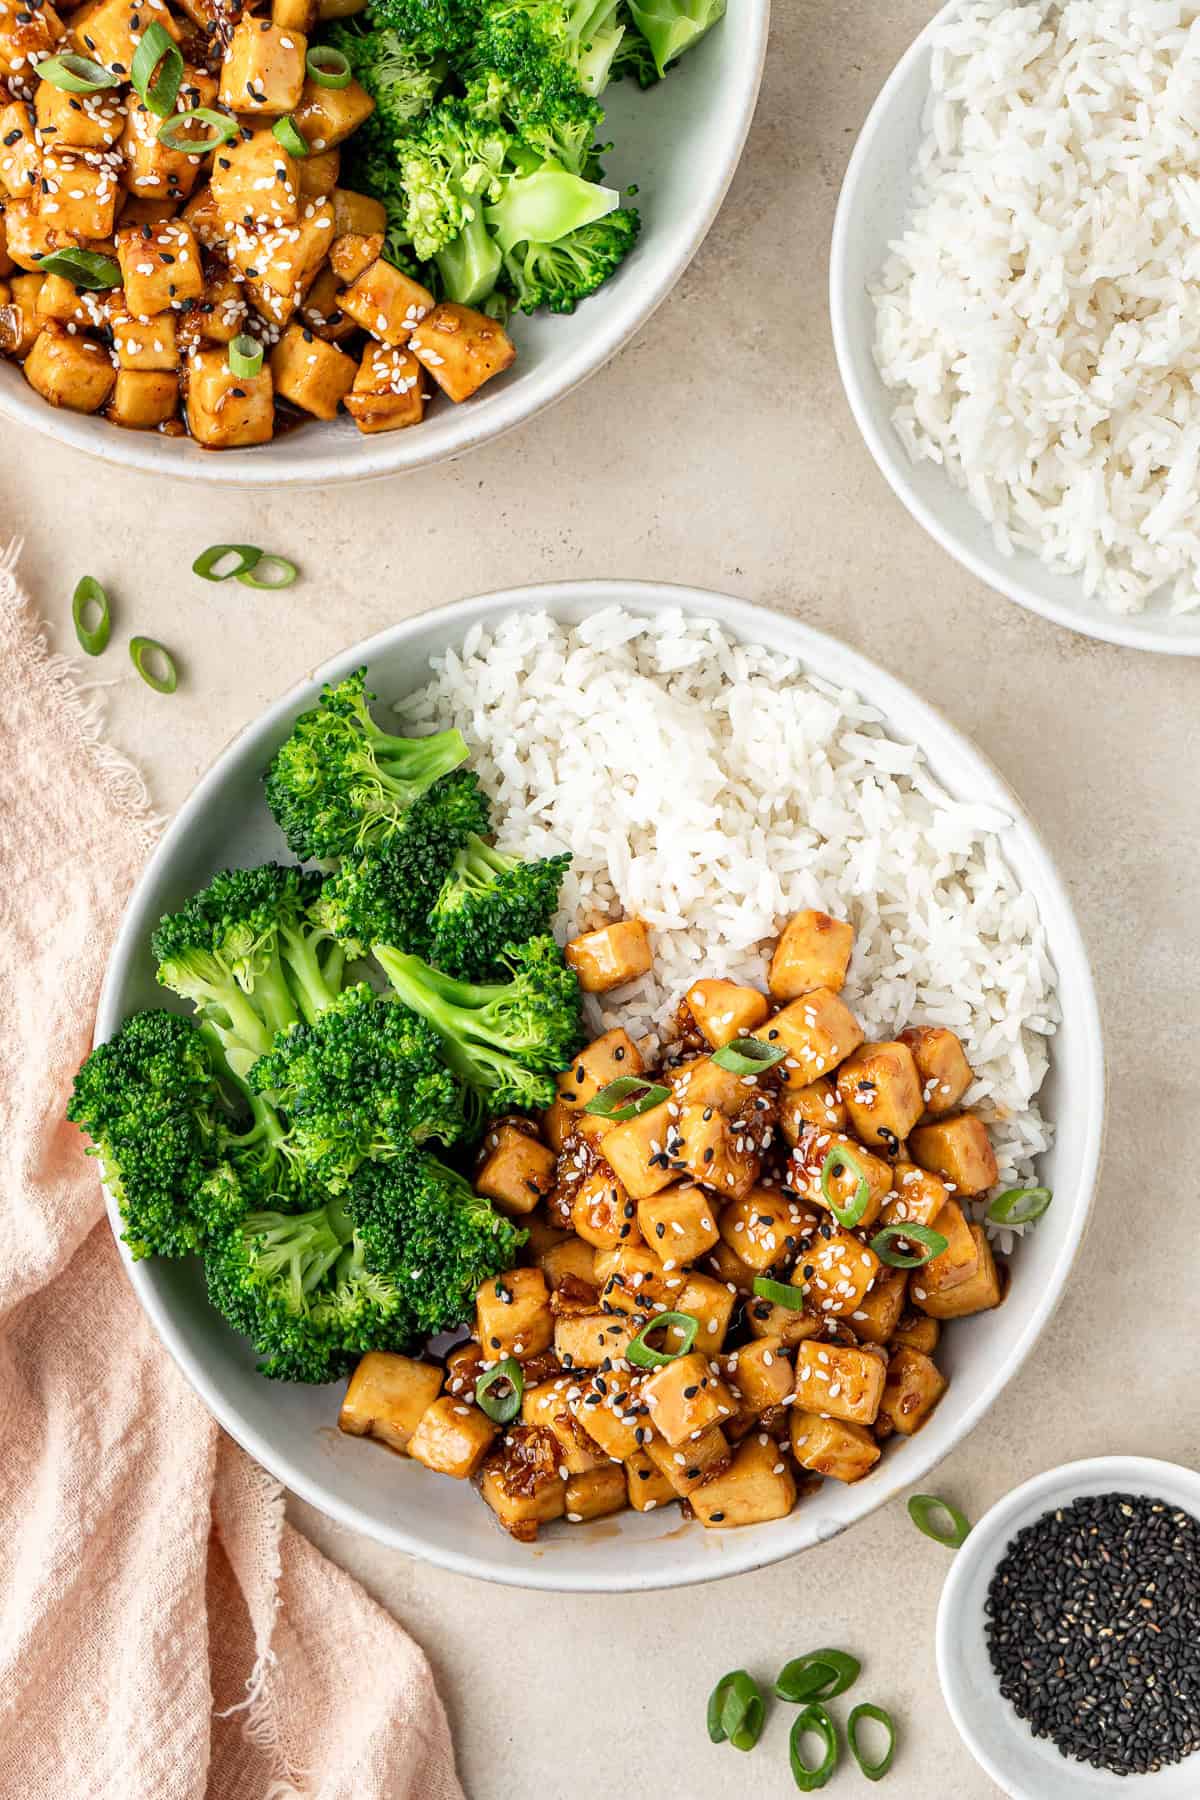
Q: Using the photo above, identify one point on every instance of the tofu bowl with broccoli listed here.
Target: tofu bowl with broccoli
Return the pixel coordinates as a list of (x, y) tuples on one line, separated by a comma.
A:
[(649, 1176), (338, 238)]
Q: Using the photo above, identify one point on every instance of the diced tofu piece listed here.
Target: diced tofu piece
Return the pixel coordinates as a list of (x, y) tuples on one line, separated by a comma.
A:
[(596, 1494), (711, 1304), (815, 1033), (790, 1324), (959, 1150), (572, 1257), (832, 1446), (979, 1293), (602, 1213), (760, 1374), (26, 34), (639, 1151), (389, 390), (546, 1405), (312, 375), (516, 1170), (221, 315), (610, 956), (942, 1067), (521, 1482), (145, 344), (387, 1396), (226, 410), (30, 235), (637, 1281), (702, 1082), (60, 299), (817, 1104), (613, 1053), (878, 1312), (294, 15), (390, 305), (69, 370), (19, 322), (589, 1340), (646, 1486), (143, 398), (840, 1380), (353, 252), (843, 1268), (462, 349), (679, 1222), (319, 174), (758, 1485), (813, 952), (810, 1156), (712, 1151), (914, 1386), (918, 1331), (110, 30), (917, 1197), (153, 171), (146, 212), (724, 1010), (263, 68), (356, 213), (721, 1262), (280, 265), (325, 116), (321, 311), (160, 270), (879, 1088), (452, 1437), (612, 1412), (83, 121), (79, 192), (763, 1227), (200, 215), (512, 1313), (254, 180), (20, 156), (959, 1261), (685, 1397), (696, 1461)]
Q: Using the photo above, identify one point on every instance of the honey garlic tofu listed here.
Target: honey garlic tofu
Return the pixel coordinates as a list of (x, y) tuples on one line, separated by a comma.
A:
[(263, 70), (388, 392), (461, 349), (813, 952), (160, 267), (881, 1092), (757, 1486), (516, 1169), (512, 1314), (815, 1033), (959, 1150), (386, 302), (255, 180), (314, 376), (387, 1396), (724, 1010), (942, 1066), (227, 411), (611, 955), (69, 371), (522, 1484)]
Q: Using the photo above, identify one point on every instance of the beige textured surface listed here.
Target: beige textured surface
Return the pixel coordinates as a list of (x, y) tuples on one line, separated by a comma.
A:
[(718, 450)]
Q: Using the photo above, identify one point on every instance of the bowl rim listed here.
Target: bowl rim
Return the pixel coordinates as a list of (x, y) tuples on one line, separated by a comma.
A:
[(989, 1538), (811, 647), (886, 449), (399, 452)]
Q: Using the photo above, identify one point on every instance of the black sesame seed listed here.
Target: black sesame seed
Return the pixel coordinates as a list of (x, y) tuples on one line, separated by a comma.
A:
[(660, 1229), (581, 1075), (619, 1054)]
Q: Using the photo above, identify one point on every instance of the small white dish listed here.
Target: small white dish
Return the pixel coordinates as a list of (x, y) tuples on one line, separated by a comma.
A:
[(870, 215), (1022, 1766)]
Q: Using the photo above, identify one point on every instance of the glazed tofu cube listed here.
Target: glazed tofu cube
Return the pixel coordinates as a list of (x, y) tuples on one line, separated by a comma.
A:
[(160, 270), (612, 1413), (145, 212), (452, 1437), (387, 1396), (201, 217), (686, 1397), (521, 1482), (60, 299), (612, 1054), (697, 1461), (280, 265), (611, 956), (226, 411), (80, 121), (321, 311), (713, 1152), (389, 390), (979, 1293), (817, 1104), (360, 214), (596, 1494), (353, 252), (387, 303), (313, 376), (263, 68), (636, 1282), (679, 1222), (20, 156), (572, 1257), (152, 170), (837, 1379), (813, 1153), (959, 1260), (942, 1068), (832, 1446), (815, 1033), (512, 1314), (143, 398), (702, 1082), (546, 1405), (110, 30), (221, 313), (515, 1169), (758, 1485), (813, 952), (30, 235), (917, 1197), (319, 174), (879, 1088), (79, 192), (646, 1486), (19, 321), (294, 15), (711, 1304), (914, 1387), (878, 1312), (918, 1332), (462, 349), (27, 34), (325, 116), (760, 1375), (69, 370), (843, 1268), (762, 1227), (145, 344), (602, 1213), (724, 1010), (588, 1340), (790, 1324), (254, 180), (640, 1151), (959, 1150)]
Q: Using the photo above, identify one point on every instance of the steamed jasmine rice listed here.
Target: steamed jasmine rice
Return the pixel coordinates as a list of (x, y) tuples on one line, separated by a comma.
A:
[(712, 789)]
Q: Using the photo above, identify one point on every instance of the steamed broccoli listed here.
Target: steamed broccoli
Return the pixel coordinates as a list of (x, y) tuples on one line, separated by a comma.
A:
[(339, 783), (488, 901), (634, 57), (559, 275), (671, 27), (431, 27), (555, 46), (449, 166)]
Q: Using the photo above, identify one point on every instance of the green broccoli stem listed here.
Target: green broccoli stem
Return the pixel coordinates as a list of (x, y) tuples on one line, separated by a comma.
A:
[(316, 984), (436, 996), (300, 1247), (415, 762), (470, 265), (273, 998), (477, 865), (242, 1035)]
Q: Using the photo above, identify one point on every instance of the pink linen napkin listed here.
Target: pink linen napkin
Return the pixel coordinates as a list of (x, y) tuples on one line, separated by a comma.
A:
[(164, 1634)]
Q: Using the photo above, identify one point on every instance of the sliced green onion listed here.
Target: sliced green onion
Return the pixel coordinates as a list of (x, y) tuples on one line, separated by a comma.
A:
[(288, 133), (89, 593), (874, 1771), (327, 66), (142, 647), (883, 1240), (257, 575), (504, 1406), (84, 268), (922, 1509), (840, 1159), (224, 130), (818, 1675), (615, 1102), (747, 1056), (207, 561), (644, 1356), (157, 69), (76, 74), (814, 1718), (1019, 1206), (736, 1711), (779, 1293), (245, 356)]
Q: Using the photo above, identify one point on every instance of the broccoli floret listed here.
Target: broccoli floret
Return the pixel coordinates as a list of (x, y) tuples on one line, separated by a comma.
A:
[(489, 901), (449, 167), (441, 1239), (671, 27), (553, 46), (339, 783), (561, 274), (634, 58), (546, 204), (431, 27), (505, 1039)]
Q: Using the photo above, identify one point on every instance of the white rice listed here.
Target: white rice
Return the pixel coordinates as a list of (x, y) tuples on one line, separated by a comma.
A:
[(713, 789), (1040, 316)]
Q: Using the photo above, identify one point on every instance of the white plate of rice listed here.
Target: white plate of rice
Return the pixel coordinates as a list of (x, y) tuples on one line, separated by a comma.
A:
[(1015, 298), (712, 766)]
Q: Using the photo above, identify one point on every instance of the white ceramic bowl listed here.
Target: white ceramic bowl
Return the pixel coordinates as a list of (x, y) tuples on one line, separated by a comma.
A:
[(679, 142), (1025, 1767), (870, 215), (291, 1429)]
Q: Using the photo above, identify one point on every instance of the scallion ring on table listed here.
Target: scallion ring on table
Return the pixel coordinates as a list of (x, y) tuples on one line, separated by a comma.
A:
[(207, 564), (736, 1711), (76, 74), (779, 1293), (157, 69), (841, 1159), (88, 269), (922, 1510), (285, 131), (327, 66), (504, 1406), (816, 1720), (818, 1675), (626, 1098), (164, 681), (89, 594), (874, 1771), (747, 1056), (224, 130), (933, 1244), (245, 357), (1019, 1206), (259, 575), (643, 1355)]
